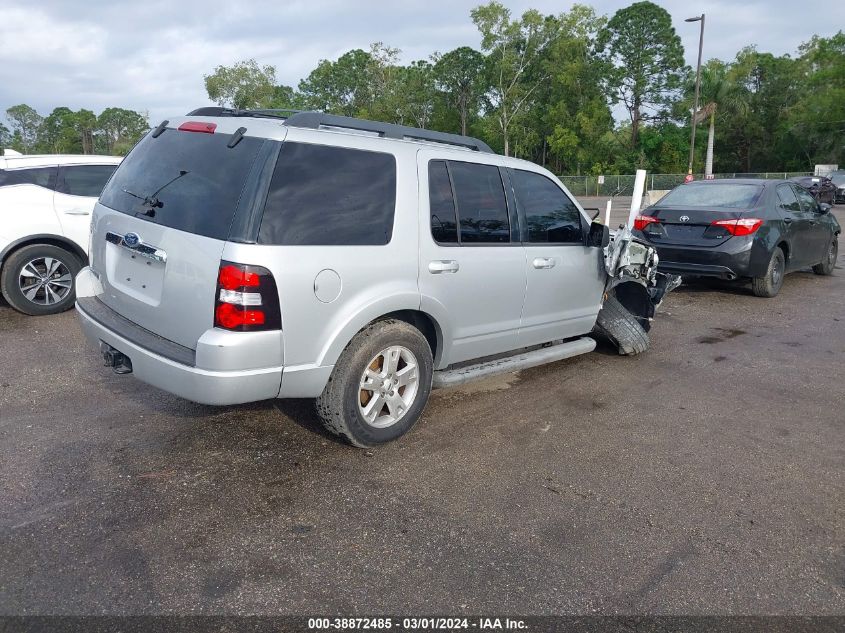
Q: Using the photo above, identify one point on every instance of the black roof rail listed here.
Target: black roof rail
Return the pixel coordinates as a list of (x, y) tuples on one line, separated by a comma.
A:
[(275, 113), (315, 120)]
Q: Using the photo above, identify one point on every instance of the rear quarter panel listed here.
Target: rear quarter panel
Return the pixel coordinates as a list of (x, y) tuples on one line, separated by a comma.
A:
[(374, 280)]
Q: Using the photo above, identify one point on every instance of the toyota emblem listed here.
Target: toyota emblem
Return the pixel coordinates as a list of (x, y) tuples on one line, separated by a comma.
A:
[(684, 218)]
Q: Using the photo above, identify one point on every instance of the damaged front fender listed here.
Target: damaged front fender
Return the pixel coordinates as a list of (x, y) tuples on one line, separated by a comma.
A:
[(633, 292)]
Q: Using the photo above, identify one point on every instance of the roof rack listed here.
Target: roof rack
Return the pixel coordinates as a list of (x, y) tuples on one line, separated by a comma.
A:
[(275, 113), (316, 120)]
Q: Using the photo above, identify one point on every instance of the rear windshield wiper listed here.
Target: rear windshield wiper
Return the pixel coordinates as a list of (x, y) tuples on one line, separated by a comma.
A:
[(152, 201)]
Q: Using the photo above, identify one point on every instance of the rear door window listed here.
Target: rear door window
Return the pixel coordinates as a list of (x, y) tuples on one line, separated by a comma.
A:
[(84, 180), (550, 215), (330, 196), (788, 201), (481, 205), (444, 222), (808, 202), (194, 179), (41, 176)]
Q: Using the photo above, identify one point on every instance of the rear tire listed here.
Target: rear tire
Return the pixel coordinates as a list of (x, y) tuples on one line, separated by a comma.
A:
[(39, 279), (826, 267), (770, 284), (395, 359), (622, 328)]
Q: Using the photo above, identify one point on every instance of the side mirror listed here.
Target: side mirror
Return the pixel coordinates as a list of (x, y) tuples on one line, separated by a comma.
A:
[(599, 235), (824, 207)]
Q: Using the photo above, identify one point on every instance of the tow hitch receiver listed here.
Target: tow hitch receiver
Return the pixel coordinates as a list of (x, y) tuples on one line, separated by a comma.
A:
[(118, 361)]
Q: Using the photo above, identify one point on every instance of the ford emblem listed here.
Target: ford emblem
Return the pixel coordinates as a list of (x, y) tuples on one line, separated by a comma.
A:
[(131, 240), (683, 218)]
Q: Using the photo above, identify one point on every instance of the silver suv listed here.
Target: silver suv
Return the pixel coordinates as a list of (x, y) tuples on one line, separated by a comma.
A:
[(238, 256)]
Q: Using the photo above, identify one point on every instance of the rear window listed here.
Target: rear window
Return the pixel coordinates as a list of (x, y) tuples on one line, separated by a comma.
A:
[(729, 194), (480, 198), (201, 200), (41, 176), (330, 196)]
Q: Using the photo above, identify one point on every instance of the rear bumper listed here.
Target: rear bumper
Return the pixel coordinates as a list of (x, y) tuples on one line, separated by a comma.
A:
[(203, 382), (729, 261)]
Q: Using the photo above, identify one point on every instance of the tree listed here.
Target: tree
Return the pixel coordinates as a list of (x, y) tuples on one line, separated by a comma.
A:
[(26, 123), (5, 137), (514, 47), (644, 61), (817, 120), (339, 87), (120, 129), (718, 89), (574, 114), (458, 75), (414, 94), (245, 85)]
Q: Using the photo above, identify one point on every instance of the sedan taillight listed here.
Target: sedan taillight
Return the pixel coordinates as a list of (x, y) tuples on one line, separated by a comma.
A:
[(247, 299), (743, 226), (642, 221)]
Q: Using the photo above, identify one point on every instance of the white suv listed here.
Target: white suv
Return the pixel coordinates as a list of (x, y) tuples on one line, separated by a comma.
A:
[(45, 206), (237, 257)]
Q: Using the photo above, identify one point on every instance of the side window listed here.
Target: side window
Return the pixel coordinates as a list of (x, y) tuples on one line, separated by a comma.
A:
[(788, 201), (41, 176), (84, 180), (330, 196), (549, 213), (808, 202), (480, 198), (444, 223)]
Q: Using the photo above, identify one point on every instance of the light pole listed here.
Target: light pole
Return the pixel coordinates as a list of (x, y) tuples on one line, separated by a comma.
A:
[(700, 18)]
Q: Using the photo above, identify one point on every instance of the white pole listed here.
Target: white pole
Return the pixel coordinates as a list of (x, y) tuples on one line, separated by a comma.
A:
[(607, 213), (637, 199)]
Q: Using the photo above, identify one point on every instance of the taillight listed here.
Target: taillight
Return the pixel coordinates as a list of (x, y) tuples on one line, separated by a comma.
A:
[(743, 226), (642, 221), (247, 299), (198, 126)]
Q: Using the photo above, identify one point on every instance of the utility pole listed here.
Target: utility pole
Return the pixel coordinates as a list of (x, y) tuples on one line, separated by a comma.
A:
[(700, 18)]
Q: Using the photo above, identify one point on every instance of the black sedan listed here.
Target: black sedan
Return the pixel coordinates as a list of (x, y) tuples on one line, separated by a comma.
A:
[(741, 229), (820, 187)]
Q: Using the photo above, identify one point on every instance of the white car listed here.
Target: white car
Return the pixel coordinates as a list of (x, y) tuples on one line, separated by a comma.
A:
[(45, 219)]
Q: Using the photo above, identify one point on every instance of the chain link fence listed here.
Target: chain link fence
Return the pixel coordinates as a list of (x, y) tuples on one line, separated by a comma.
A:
[(623, 185)]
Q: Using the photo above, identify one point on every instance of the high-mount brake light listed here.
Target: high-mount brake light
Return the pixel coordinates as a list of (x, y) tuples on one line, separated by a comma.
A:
[(642, 221), (742, 226), (247, 299), (198, 126)]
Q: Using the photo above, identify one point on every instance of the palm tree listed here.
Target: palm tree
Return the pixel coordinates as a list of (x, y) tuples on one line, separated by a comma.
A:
[(718, 89)]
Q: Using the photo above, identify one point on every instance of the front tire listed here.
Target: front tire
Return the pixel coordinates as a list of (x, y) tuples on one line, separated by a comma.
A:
[(769, 284), (379, 386), (826, 267), (39, 279)]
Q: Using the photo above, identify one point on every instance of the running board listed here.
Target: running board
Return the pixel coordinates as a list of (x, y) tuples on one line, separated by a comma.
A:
[(517, 362)]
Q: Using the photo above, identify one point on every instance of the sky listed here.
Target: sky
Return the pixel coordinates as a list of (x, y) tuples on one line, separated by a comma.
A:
[(151, 56)]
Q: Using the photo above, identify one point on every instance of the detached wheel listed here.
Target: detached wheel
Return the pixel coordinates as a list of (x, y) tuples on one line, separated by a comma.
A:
[(622, 328), (826, 267), (39, 279), (769, 284), (379, 386)]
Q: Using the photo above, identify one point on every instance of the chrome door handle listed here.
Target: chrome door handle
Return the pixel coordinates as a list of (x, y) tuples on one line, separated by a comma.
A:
[(544, 262), (443, 266), (77, 211), (787, 220)]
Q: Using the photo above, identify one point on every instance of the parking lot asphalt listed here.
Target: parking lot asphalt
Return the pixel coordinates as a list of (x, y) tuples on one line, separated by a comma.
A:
[(703, 477)]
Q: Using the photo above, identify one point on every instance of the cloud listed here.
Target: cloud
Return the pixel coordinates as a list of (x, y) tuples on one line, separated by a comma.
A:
[(152, 56)]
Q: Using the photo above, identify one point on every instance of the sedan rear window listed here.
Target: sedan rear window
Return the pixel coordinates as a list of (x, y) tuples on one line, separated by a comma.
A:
[(728, 194), (190, 181)]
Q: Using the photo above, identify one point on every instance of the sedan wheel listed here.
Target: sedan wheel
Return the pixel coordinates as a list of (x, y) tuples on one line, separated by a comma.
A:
[(826, 267)]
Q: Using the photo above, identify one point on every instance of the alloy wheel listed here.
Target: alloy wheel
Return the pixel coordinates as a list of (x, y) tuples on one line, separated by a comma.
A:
[(45, 281), (388, 386)]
